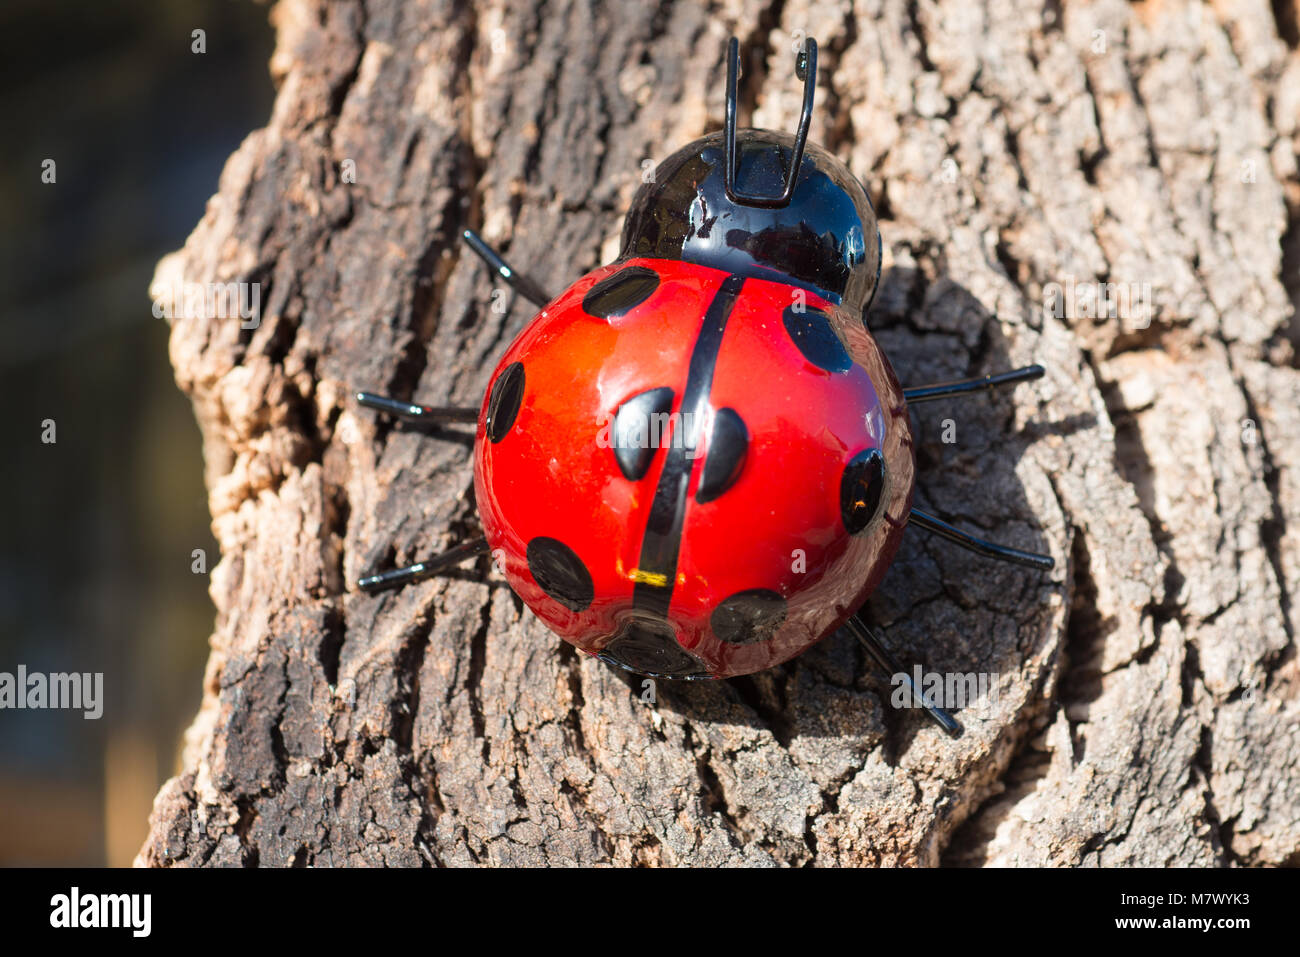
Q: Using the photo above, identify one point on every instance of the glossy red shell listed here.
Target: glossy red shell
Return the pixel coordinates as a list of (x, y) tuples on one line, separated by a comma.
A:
[(779, 526)]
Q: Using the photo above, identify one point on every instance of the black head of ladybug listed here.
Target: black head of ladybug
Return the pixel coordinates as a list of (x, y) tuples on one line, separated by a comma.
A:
[(789, 210)]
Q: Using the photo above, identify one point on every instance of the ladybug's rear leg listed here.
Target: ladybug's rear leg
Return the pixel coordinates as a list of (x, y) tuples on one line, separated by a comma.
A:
[(397, 577), (938, 526), (887, 663)]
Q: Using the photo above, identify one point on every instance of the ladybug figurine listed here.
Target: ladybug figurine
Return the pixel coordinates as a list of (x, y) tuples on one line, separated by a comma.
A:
[(696, 462)]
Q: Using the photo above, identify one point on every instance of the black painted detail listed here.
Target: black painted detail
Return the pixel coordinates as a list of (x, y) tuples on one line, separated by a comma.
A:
[(560, 573), (620, 293), (503, 406), (810, 330), (728, 443), (640, 428), (663, 533), (861, 489), (826, 239), (748, 616), (650, 648)]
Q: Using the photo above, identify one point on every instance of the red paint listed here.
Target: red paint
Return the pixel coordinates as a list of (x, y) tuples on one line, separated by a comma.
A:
[(550, 475)]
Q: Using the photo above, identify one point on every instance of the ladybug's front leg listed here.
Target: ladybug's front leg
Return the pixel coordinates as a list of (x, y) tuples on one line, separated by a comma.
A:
[(520, 284), (429, 413)]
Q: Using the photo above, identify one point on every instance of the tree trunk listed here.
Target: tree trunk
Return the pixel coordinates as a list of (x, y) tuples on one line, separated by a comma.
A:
[(1146, 694)]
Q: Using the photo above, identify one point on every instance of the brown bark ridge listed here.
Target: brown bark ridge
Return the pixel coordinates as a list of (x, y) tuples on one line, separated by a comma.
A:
[(1147, 691)]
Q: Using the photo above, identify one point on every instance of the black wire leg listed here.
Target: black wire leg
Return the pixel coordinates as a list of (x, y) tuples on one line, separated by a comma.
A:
[(430, 413), (943, 390), (889, 665), (417, 413), (397, 577), (520, 284), (980, 546)]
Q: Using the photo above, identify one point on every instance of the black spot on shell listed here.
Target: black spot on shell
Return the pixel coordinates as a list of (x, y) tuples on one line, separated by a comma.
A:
[(637, 434), (811, 331), (861, 489), (728, 443), (503, 406), (748, 616), (620, 293), (560, 573)]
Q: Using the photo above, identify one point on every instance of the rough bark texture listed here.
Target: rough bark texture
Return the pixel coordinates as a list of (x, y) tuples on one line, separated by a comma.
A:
[(1148, 690)]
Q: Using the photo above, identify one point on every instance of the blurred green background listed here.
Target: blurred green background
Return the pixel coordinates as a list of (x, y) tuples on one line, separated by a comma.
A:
[(98, 529)]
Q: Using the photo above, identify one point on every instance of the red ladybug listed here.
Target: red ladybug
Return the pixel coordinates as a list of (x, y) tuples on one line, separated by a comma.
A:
[(696, 462)]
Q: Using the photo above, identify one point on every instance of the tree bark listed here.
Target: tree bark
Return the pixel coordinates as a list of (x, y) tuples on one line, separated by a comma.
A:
[(1147, 706)]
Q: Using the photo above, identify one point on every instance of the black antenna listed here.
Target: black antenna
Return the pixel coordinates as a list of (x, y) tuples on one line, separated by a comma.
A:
[(805, 68)]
